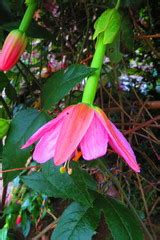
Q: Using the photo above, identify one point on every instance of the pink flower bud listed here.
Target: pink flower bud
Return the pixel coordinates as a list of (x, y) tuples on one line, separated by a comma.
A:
[(19, 219), (12, 49)]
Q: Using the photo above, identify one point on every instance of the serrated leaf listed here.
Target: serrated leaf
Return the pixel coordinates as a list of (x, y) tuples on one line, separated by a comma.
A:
[(23, 125), (57, 86), (121, 221), (55, 184), (77, 222)]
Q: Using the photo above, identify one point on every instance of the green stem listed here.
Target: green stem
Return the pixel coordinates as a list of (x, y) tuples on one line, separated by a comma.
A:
[(117, 4), (27, 18), (92, 82)]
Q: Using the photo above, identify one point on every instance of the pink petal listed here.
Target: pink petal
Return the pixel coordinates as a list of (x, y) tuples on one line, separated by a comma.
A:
[(47, 127), (73, 129), (118, 142), (45, 148), (95, 141)]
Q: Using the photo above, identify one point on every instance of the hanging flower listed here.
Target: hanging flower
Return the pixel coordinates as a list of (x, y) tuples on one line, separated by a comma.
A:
[(80, 127), (13, 48)]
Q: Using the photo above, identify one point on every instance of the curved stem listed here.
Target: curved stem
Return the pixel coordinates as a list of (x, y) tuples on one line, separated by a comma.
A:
[(92, 82), (27, 18)]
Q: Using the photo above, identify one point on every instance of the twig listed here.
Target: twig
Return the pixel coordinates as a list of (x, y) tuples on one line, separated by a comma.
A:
[(142, 125), (17, 169), (46, 229)]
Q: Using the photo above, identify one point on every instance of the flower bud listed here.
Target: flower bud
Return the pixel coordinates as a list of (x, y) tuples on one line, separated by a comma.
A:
[(19, 219), (12, 49)]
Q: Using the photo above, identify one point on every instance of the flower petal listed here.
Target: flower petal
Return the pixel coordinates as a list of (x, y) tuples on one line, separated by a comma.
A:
[(73, 129), (95, 141), (118, 142), (45, 148), (47, 127)]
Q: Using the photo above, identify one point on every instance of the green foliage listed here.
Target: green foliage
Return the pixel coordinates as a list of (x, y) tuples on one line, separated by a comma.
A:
[(108, 24), (9, 89), (76, 218), (4, 126), (121, 221), (57, 86), (77, 222), (3, 233), (55, 184), (127, 35), (113, 50), (23, 125), (82, 221)]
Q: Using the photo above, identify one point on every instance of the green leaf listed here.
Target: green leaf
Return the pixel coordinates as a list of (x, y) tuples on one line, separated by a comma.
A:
[(101, 23), (113, 27), (77, 222), (11, 92), (3, 233), (62, 82), (9, 89), (23, 125), (4, 126), (55, 184), (109, 23), (127, 34), (113, 50), (121, 221), (3, 81)]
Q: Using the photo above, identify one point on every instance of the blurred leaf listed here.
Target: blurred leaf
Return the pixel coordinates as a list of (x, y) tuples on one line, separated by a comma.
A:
[(55, 184), (77, 222), (113, 50), (3, 233), (9, 89), (131, 3), (23, 125), (127, 35), (36, 31), (26, 224), (10, 26), (11, 92), (5, 11), (121, 221), (109, 23), (3, 81), (4, 126), (57, 86)]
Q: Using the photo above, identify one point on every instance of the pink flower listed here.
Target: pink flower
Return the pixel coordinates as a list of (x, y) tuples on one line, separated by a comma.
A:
[(80, 127), (13, 47)]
